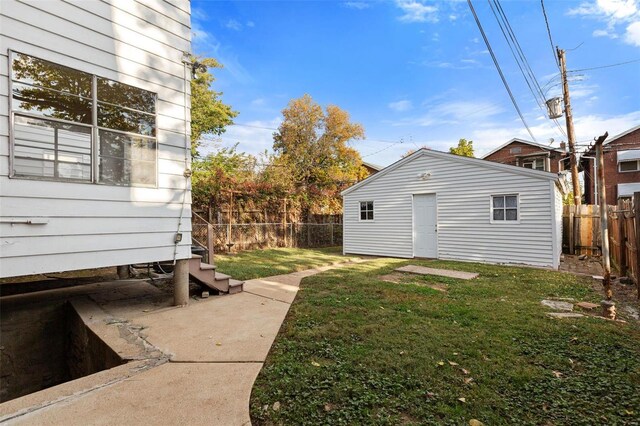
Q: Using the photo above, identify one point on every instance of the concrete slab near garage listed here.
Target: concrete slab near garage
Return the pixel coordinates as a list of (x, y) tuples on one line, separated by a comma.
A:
[(423, 270)]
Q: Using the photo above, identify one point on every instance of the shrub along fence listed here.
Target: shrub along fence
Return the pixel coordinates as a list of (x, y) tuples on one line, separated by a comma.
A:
[(222, 238)]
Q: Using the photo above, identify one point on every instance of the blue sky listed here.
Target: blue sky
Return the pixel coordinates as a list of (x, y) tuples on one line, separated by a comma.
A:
[(417, 73)]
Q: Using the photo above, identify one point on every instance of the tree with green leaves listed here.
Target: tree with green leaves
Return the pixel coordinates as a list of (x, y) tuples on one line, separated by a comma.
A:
[(208, 113), (312, 144), (464, 148)]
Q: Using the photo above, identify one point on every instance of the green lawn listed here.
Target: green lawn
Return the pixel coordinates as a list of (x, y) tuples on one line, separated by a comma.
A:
[(358, 350), (263, 263)]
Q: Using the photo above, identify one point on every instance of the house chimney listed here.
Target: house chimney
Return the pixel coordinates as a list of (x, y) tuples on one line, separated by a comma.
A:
[(563, 146)]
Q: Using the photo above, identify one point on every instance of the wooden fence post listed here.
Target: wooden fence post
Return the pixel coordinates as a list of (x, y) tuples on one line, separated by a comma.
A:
[(636, 209), (572, 229), (622, 238), (606, 261), (210, 243)]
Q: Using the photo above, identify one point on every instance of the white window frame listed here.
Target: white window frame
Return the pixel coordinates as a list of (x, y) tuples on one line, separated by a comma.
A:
[(373, 211), (505, 221), (629, 171), (533, 162), (95, 128)]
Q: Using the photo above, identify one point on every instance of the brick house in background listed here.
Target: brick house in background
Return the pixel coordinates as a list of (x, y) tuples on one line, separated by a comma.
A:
[(531, 155), (621, 167)]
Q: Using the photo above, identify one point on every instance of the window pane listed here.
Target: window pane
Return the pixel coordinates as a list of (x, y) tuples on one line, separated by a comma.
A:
[(628, 166), (51, 149), (369, 205), (363, 215), (37, 72), (498, 201), (127, 96), (125, 120), (45, 102), (528, 165), (370, 215), (498, 214), (539, 165), (512, 214), (363, 206), (126, 160), (512, 201)]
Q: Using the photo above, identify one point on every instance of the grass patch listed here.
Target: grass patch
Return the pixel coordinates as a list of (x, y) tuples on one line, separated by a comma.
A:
[(264, 263), (358, 350)]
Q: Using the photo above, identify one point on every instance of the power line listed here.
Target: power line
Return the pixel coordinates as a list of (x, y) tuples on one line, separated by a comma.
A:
[(606, 66), (495, 61), (521, 60), (546, 21)]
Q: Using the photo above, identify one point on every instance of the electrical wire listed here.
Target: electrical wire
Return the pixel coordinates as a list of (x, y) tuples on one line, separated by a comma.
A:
[(606, 66), (546, 21), (521, 60), (495, 61)]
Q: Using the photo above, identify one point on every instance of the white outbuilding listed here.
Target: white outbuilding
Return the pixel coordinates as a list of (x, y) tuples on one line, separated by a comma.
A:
[(432, 204)]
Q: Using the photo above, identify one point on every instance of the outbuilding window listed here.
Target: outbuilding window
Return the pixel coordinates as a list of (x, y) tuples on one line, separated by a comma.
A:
[(366, 210), (72, 125), (504, 208)]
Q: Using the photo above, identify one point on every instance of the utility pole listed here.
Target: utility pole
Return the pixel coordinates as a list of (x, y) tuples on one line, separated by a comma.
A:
[(571, 136)]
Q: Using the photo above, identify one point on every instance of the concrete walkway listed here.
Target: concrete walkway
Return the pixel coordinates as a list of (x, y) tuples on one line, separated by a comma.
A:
[(191, 365)]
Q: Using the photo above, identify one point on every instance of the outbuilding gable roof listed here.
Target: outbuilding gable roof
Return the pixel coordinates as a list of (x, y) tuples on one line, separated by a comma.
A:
[(545, 147), (457, 158)]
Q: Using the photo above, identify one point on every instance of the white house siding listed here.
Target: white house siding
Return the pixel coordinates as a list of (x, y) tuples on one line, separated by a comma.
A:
[(463, 190), (140, 43)]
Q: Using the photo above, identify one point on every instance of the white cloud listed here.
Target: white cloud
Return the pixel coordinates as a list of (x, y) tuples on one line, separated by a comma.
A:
[(252, 137), (251, 24), (233, 25), (604, 33), (401, 106), (632, 36), (358, 5), (415, 11), (258, 102), (620, 17)]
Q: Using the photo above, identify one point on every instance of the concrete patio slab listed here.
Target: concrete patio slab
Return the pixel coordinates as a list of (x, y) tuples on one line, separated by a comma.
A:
[(216, 348), (170, 394), (272, 290), (423, 270), (240, 327)]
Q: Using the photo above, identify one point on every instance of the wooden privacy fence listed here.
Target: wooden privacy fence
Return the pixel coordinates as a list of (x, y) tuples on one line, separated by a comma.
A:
[(581, 230), (623, 238)]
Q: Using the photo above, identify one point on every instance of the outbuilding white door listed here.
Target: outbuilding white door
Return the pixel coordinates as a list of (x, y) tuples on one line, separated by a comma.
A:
[(425, 222)]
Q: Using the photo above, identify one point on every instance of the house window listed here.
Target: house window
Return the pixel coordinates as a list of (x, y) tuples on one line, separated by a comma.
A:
[(504, 208), (515, 150), (535, 164), (72, 125), (629, 166), (366, 210)]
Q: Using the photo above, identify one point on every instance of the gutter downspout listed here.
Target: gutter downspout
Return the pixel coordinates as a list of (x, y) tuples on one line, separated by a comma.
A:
[(186, 61)]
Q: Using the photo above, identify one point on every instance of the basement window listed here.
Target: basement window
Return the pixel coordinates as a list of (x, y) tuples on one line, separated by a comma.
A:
[(366, 210), (504, 208), (75, 126)]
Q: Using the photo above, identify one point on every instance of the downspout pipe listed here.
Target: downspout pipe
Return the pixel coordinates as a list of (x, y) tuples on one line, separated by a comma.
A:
[(187, 66)]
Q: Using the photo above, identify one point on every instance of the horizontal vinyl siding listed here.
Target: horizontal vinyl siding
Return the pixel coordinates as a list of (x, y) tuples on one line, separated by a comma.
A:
[(136, 42), (463, 192)]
